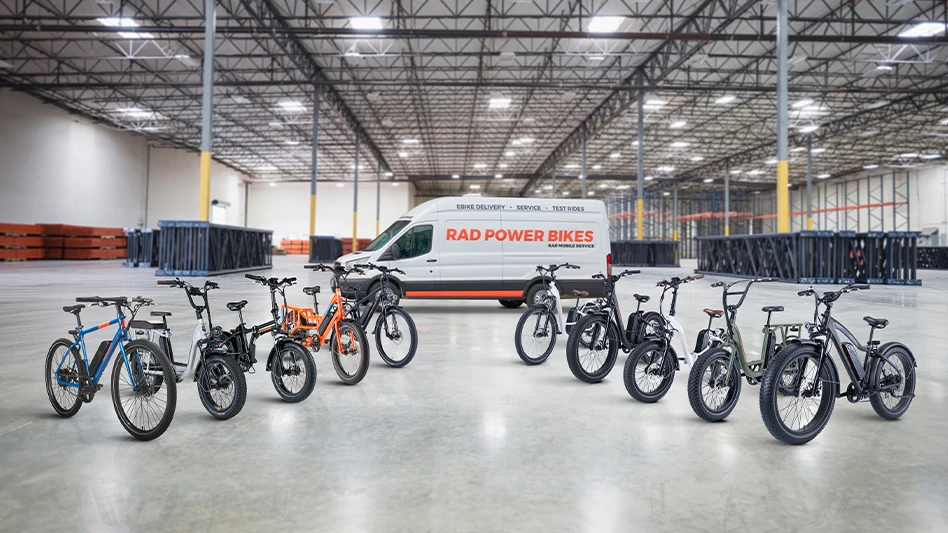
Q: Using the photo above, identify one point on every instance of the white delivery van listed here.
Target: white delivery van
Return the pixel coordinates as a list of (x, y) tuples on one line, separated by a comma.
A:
[(475, 247)]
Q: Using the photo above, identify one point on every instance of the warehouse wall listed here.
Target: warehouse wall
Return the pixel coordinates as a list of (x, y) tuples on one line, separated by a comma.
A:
[(61, 168), (285, 208), (55, 167)]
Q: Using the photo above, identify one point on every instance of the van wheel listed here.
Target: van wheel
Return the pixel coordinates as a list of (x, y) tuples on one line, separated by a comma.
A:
[(511, 304), (537, 294)]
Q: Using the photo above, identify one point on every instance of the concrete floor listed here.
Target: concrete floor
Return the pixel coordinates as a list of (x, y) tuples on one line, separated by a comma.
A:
[(466, 437)]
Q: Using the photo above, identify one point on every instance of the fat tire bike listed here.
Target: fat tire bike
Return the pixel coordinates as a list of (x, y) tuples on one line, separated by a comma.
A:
[(651, 366), (800, 386), (541, 324), (143, 381), (714, 383), (291, 366), (594, 342), (347, 341), (396, 336), (217, 371)]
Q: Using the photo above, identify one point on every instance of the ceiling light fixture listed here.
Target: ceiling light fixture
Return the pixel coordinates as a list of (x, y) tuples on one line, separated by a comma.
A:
[(736, 172), (666, 168), (475, 186), (771, 161), (708, 180), (410, 141), (679, 144), (403, 155), (615, 155), (573, 165), (272, 184), (931, 156), (726, 99), (340, 184), (754, 172), (291, 105), (697, 158), (455, 176), (678, 124), (924, 29), (389, 174), (649, 178), (604, 24), (498, 102), (870, 167), (822, 176), (910, 155), (885, 67), (666, 193), (809, 129), (819, 150), (365, 23), (510, 153), (292, 142), (480, 165), (597, 167), (802, 103)]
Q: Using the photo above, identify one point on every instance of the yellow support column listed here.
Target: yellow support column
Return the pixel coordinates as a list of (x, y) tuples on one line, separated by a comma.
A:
[(377, 227), (312, 214), (783, 197), (640, 219), (205, 196), (355, 223)]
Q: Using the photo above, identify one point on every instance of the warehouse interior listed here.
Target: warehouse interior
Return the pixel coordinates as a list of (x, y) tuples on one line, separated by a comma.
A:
[(730, 140)]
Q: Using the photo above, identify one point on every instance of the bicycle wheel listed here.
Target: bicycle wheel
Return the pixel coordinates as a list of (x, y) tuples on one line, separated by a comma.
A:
[(145, 403), (713, 391), (352, 361), (593, 360), (535, 335), (64, 398), (897, 378), (650, 371), (222, 387), (797, 414), (396, 337), (293, 372)]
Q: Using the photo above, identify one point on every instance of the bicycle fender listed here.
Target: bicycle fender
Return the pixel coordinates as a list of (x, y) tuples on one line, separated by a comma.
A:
[(277, 346), (887, 346), (834, 372)]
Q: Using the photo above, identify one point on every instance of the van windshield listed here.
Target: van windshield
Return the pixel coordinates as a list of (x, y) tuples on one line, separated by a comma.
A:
[(386, 236)]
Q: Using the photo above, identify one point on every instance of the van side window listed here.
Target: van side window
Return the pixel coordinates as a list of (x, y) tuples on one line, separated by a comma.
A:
[(414, 243)]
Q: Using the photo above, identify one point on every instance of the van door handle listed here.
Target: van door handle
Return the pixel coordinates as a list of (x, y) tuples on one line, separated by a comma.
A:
[(432, 260)]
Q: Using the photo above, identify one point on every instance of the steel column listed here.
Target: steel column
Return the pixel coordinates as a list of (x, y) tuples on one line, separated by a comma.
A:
[(207, 102), (783, 162), (809, 182), (378, 199), (727, 198), (553, 180), (675, 213), (583, 179), (355, 197), (315, 161), (640, 173)]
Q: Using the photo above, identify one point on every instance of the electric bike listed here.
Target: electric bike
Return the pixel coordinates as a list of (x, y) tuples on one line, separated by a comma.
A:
[(714, 383), (216, 370), (291, 366), (347, 341), (800, 386), (143, 381), (396, 336), (651, 366), (538, 327), (594, 342)]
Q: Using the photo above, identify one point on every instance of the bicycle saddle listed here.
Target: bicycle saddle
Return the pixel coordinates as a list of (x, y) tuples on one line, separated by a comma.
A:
[(714, 313), (311, 290), (772, 308), (641, 298), (74, 309), (160, 313), (236, 306), (580, 294), (876, 322)]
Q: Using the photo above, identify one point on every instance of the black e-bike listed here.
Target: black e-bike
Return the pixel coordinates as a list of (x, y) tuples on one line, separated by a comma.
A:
[(396, 336), (800, 387)]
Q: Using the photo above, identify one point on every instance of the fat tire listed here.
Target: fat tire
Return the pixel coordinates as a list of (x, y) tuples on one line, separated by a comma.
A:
[(532, 312), (771, 384), (573, 343), (364, 356), (50, 383), (169, 380), (380, 330), (874, 372), (694, 386), (628, 374), (310, 366), (240, 388)]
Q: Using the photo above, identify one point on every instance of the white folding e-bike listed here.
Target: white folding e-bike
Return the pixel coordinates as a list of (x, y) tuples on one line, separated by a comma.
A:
[(543, 322), (651, 366)]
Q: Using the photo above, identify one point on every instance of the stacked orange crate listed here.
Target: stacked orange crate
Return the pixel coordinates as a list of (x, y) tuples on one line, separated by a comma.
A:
[(84, 242), (295, 247), (19, 242)]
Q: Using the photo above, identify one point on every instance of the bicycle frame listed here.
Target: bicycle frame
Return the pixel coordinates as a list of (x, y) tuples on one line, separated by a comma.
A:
[(312, 328), (677, 331), (372, 302), (120, 337)]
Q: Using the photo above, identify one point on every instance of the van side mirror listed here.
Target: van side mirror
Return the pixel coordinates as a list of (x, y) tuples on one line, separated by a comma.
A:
[(387, 255)]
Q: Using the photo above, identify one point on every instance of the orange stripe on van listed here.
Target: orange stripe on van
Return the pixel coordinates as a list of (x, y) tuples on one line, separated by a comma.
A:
[(464, 294)]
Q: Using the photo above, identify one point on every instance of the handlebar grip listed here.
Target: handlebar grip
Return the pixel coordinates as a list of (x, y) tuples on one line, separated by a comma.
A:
[(804, 293), (698, 276), (861, 287), (717, 284), (290, 280), (400, 271), (766, 280), (87, 299), (573, 267), (255, 278), (631, 272), (211, 285), (364, 265), (166, 282)]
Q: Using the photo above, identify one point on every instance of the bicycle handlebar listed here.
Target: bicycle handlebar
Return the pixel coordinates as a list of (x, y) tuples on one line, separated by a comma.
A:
[(380, 268)]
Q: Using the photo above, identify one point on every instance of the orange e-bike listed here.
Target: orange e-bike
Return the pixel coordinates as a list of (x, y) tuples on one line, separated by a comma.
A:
[(347, 340)]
